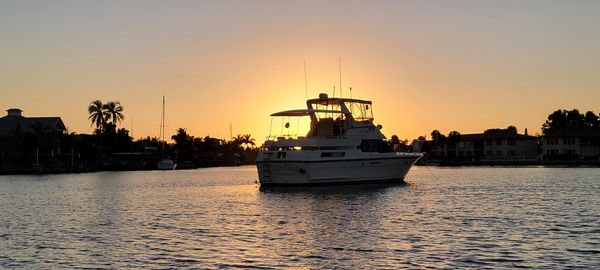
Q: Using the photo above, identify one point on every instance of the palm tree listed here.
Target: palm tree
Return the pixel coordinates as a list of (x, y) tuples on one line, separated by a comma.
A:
[(245, 140), (97, 114), (114, 111), (181, 138)]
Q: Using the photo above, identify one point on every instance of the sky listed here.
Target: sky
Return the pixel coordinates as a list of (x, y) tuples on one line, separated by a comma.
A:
[(446, 65)]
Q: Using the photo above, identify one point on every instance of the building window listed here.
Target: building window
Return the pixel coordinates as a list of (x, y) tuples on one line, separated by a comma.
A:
[(511, 142), (512, 153), (489, 143), (498, 142), (552, 152), (490, 153), (499, 153)]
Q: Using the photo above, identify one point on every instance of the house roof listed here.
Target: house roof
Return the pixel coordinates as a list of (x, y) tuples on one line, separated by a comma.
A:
[(10, 123), (495, 136), (593, 132)]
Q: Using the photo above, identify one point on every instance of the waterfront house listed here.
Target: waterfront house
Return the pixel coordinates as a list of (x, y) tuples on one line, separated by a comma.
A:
[(14, 122), (502, 146), (496, 146), (579, 144)]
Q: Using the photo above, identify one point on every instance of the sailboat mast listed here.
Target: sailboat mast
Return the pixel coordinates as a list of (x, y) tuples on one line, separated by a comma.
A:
[(162, 124)]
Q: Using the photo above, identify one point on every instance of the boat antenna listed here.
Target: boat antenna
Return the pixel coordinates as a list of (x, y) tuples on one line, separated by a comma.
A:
[(351, 107), (340, 63), (350, 92), (332, 102), (305, 81)]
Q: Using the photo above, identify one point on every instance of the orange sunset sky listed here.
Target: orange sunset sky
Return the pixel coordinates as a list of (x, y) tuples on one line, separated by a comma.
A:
[(447, 65)]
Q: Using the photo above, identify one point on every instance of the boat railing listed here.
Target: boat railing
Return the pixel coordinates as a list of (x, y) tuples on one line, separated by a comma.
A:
[(285, 137), (297, 137)]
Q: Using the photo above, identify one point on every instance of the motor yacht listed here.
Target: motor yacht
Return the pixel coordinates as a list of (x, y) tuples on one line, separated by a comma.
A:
[(342, 145)]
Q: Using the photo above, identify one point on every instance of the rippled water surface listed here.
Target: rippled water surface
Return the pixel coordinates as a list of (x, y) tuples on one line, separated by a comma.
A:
[(219, 218)]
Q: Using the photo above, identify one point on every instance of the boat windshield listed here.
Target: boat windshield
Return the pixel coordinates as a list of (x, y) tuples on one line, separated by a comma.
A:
[(361, 112), (289, 126), (331, 110), (297, 124)]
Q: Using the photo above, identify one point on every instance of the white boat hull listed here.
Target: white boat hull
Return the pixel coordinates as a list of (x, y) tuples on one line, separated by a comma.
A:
[(166, 165), (277, 172)]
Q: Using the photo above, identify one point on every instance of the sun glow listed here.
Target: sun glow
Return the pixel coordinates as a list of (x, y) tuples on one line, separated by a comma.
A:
[(218, 64)]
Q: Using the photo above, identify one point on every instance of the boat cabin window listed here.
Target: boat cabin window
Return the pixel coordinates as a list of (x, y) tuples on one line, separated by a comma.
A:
[(325, 127), (375, 146), (362, 112), (333, 154), (281, 155), (328, 126)]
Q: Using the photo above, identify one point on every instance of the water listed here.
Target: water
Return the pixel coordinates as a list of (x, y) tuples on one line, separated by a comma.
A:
[(218, 218)]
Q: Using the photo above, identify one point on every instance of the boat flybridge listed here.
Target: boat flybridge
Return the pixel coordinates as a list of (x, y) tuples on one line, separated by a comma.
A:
[(342, 145)]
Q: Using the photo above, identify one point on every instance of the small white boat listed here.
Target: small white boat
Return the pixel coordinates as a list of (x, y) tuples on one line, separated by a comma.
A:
[(166, 164), (342, 146)]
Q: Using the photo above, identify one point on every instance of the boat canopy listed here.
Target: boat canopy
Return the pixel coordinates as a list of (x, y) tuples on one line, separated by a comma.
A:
[(329, 101), (304, 112)]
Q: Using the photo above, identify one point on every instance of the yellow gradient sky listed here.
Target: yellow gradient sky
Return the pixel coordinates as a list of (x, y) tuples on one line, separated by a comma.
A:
[(447, 65)]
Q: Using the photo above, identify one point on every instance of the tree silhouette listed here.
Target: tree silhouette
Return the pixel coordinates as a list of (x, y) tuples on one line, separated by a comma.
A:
[(437, 136), (181, 137), (184, 145), (454, 136), (592, 120), (114, 111), (97, 114), (570, 120), (247, 140)]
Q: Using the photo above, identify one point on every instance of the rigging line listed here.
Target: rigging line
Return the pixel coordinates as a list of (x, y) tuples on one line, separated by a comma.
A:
[(270, 127), (305, 81), (430, 172), (298, 128)]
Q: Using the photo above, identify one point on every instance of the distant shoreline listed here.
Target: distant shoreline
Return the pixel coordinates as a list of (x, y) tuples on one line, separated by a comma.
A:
[(51, 171), (547, 163), (595, 164)]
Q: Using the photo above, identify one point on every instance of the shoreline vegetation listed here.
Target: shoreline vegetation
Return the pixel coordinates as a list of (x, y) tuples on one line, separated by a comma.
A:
[(41, 148)]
